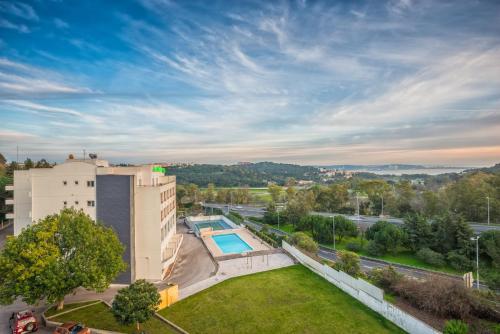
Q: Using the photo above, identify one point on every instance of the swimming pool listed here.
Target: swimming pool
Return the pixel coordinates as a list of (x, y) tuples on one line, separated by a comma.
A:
[(216, 225), (231, 243)]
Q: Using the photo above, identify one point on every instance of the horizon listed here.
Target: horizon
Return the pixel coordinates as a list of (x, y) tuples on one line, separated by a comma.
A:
[(303, 82)]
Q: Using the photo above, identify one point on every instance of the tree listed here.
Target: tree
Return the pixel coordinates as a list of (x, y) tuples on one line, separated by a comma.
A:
[(385, 237), (275, 192), (490, 247), (28, 164), (348, 262), (303, 241), (136, 303), (60, 253), (210, 196), (344, 228), (418, 230), (405, 194), (451, 233)]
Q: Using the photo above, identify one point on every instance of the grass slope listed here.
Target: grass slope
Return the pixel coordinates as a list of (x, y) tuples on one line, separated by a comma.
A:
[(289, 300), (100, 316)]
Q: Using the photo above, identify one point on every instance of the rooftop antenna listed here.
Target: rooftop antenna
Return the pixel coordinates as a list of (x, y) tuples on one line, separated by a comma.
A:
[(83, 154), (17, 154)]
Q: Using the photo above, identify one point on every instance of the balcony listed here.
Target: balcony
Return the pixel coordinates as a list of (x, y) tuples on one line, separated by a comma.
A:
[(9, 201), (9, 187), (9, 216)]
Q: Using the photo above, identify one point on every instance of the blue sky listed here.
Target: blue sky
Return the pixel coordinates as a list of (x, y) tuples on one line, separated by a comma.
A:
[(310, 82)]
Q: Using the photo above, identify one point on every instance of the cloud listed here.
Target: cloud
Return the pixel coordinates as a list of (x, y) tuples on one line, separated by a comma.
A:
[(19, 9), (17, 27), (42, 108), (18, 78), (60, 23)]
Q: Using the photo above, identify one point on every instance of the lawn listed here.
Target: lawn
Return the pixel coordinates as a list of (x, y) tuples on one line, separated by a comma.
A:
[(100, 316), (288, 300)]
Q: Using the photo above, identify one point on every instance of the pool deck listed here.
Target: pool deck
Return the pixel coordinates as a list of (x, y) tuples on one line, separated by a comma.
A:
[(244, 234)]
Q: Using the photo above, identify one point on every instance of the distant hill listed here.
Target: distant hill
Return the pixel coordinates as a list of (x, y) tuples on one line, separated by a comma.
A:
[(492, 169), (386, 167), (251, 174)]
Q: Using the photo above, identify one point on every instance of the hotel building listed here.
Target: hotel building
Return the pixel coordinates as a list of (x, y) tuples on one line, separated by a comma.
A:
[(139, 202)]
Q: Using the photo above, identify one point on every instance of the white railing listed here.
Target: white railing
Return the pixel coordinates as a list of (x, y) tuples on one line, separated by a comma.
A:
[(365, 292)]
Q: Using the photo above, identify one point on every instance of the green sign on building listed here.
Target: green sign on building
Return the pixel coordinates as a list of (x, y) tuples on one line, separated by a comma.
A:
[(159, 169)]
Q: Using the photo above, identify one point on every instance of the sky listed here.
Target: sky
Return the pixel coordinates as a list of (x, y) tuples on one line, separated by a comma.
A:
[(307, 82)]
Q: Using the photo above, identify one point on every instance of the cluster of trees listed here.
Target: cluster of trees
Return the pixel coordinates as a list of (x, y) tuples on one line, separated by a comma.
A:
[(253, 175), (52, 258)]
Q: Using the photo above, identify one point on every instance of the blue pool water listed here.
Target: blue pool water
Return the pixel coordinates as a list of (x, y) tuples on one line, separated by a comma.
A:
[(216, 225), (231, 243)]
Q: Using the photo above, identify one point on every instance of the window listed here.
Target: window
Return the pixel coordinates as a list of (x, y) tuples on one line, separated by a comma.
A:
[(76, 183), (91, 203), (65, 182), (76, 202), (90, 184)]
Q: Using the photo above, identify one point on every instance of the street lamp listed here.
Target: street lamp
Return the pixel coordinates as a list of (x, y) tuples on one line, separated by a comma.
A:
[(278, 211), (488, 198), (333, 228), (357, 204), (382, 212), (476, 239)]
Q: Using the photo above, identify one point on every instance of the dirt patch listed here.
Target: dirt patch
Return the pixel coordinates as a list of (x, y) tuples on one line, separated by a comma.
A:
[(430, 319)]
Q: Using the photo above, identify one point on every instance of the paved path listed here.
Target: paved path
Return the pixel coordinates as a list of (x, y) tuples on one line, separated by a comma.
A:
[(239, 267), (193, 262)]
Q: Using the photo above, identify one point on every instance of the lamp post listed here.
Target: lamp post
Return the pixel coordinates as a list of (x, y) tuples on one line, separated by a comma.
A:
[(333, 228), (278, 211), (488, 198), (357, 204), (382, 213), (476, 239)]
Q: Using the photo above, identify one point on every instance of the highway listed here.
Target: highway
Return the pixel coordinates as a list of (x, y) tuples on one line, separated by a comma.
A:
[(258, 211)]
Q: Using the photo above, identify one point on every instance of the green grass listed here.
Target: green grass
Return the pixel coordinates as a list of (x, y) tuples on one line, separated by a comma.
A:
[(284, 227), (100, 316), (52, 310), (288, 300)]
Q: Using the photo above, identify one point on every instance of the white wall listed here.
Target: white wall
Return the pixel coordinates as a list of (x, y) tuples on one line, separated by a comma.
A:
[(365, 292)]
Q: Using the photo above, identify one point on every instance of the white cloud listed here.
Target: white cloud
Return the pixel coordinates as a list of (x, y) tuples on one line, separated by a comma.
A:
[(18, 27), (60, 23), (19, 9)]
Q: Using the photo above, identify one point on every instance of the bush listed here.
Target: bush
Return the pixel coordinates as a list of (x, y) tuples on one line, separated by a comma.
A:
[(455, 327), (431, 257), (438, 295), (459, 261), (354, 247), (348, 262), (385, 278), (304, 242), (374, 249)]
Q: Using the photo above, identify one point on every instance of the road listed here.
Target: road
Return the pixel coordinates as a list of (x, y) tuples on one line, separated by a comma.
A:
[(258, 211)]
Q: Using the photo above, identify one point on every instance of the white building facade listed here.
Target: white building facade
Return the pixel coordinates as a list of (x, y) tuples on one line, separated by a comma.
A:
[(139, 202)]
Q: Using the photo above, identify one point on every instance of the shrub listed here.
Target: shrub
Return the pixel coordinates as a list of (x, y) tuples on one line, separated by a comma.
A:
[(304, 242), (354, 247), (348, 262), (459, 261), (431, 257), (438, 295), (374, 249), (385, 278), (455, 327)]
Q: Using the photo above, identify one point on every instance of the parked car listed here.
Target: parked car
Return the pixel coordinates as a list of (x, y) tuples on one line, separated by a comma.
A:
[(23, 322), (72, 328)]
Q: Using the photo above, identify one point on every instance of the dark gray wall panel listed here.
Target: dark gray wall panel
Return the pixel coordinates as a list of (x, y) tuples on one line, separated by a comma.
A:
[(113, 209)]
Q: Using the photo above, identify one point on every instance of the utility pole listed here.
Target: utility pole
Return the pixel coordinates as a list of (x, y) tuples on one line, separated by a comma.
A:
[(278, 211), (382, 213), (333, 228), (17, 154), (357, 204), (488, 198), (84, 154), (476, 239)]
